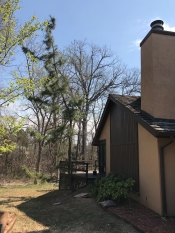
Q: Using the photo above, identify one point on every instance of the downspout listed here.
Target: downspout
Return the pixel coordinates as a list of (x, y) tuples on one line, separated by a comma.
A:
[(162, 174)]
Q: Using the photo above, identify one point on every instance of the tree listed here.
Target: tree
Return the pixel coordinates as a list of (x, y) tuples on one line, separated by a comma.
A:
[(95, 71), (12, 36), (62, 102), (37, 113), (131, 83), (50, 95), (9, 126)]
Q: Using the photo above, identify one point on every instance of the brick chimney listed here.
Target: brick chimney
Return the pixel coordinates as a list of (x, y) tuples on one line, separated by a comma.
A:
[(158, 72)]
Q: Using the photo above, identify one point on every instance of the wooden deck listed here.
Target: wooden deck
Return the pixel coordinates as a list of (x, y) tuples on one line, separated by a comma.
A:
[(80, 175)]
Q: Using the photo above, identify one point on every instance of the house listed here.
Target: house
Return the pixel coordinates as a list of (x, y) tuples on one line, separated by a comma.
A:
[(135, 135)]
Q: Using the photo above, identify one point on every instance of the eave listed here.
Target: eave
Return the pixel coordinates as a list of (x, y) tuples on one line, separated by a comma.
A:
[(132, 106)]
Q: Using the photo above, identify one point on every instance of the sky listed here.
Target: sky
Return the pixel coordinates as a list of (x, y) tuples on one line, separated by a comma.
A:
[(118, 24)]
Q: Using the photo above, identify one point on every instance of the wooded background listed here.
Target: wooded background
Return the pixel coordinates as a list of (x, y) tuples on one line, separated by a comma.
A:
[(51, 100)]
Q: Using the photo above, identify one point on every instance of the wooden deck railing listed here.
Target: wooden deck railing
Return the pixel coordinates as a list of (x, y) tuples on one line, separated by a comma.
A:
[(92, 164), (76, 167)]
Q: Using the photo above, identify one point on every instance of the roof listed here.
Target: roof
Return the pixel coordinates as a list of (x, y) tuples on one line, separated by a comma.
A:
[(156, 126)]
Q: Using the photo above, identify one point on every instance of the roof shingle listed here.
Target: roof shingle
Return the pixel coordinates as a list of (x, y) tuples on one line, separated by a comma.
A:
[(156, 126), (133, 103)]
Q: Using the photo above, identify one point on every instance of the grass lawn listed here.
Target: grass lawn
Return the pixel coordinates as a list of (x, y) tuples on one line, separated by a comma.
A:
[(35, 211)]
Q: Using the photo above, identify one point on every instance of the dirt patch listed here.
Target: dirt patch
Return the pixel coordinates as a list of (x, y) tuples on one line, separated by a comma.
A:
[(36, 212)]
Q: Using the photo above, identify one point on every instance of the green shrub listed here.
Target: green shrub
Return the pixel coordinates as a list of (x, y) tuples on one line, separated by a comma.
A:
[(111, 187), (28, 174), (44, 178), (34, 175)]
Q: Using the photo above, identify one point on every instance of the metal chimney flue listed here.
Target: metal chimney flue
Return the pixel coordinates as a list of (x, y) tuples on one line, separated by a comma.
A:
[(157, 25)]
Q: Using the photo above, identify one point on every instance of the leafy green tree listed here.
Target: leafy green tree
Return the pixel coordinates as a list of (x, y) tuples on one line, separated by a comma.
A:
[(36, 112), (49, 97), (12, 36), (56, 94), (9, 127)]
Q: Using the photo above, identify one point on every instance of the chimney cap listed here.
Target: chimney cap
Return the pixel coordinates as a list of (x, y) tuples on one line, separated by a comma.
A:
[(157, 25)]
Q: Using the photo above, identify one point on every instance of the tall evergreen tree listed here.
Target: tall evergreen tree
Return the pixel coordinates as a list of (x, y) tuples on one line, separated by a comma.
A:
[(60, 99)]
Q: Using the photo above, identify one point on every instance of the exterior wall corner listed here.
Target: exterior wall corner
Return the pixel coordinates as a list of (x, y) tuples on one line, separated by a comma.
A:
[(149, 171)]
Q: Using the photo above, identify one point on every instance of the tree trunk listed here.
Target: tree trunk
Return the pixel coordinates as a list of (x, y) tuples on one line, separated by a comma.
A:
[(39, 157), (57, 159), (6, 163), (69, 156), (84, 140), (78, 147)]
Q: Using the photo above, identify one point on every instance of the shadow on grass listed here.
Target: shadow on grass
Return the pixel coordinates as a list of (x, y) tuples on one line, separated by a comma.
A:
[(61, 212), (42, 210)]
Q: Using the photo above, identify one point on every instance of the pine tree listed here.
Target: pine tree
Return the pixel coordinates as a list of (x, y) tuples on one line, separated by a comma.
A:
[(61, 100)]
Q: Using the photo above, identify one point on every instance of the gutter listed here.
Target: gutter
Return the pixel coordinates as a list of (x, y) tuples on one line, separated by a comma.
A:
[(162, 174)]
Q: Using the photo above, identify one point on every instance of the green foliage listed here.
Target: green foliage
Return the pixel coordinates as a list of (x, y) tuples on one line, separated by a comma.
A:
[(28, 174), (111, 187), (23, 138), (10, 36), (36, 135), (34, 175), (9, 127), (55, 94), (55, 84), (22, 87)]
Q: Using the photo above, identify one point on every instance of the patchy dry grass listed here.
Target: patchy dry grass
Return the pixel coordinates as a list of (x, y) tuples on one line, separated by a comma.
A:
[(34, 207)]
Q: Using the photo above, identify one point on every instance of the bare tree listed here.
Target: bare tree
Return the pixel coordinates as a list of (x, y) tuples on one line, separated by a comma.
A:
[(131, 82), (93, 71)]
